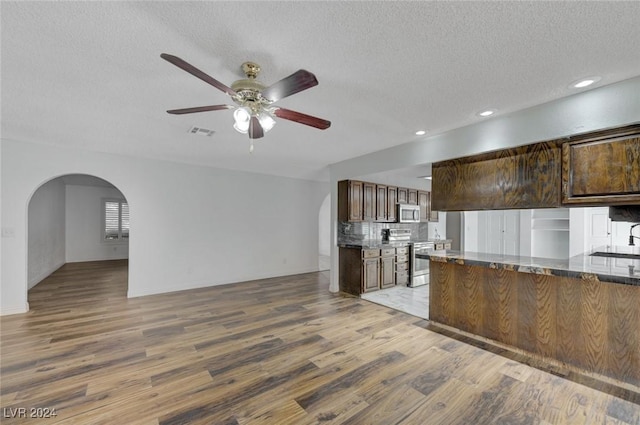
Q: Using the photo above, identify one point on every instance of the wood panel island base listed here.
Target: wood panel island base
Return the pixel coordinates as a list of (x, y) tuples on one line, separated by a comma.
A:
[(584, 323)]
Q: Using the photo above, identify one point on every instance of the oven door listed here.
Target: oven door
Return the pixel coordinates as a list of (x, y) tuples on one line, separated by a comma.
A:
[(420, 266)]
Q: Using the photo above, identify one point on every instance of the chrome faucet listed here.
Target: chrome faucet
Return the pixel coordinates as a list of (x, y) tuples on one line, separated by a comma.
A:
[(631, 243)]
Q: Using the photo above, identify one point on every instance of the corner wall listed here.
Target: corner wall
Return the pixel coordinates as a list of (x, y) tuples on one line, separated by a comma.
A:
[(46, 239)]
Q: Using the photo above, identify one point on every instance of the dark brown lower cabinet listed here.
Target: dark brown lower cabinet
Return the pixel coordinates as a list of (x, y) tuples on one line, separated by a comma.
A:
[(402, 266), (387, 270), (591, 325), (366, 270), (370, 274)]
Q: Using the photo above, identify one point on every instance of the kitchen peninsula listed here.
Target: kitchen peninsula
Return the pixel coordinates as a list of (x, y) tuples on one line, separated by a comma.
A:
[(572, 312)]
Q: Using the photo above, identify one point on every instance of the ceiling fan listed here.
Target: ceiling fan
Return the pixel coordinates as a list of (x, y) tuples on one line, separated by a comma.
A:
[(254, 111)]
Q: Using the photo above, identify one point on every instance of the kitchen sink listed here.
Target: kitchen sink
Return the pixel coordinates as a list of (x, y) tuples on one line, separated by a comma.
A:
[(616, 255)]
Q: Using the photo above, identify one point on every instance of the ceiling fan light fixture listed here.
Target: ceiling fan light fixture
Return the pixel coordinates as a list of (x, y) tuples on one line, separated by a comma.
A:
[(254, 114), (242, 116), (266, 121)]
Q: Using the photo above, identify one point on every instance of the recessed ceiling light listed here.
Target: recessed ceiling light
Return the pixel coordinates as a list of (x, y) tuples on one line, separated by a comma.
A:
[(585, 82), (487, 112), (420, 133), (425, 177)]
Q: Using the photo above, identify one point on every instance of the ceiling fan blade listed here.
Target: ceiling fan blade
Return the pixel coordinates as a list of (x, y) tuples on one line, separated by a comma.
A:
[(199, 109), (301, 118), (255, 129), (196, 72), (294, 83)]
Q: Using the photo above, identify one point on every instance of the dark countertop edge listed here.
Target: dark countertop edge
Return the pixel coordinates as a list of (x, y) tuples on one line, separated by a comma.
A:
[(455, 257)]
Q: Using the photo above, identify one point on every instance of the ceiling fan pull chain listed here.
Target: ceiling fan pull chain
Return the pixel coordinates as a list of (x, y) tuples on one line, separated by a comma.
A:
[(251, 146)]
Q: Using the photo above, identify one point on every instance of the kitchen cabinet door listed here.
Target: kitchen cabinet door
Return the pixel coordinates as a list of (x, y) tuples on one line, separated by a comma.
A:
[(392, 200), (355, 201), (387, 272), (424, 201), (412, 198), (370, 274), (369, 201), (603, 170), (403, 195), (381, 203), (350, 200)]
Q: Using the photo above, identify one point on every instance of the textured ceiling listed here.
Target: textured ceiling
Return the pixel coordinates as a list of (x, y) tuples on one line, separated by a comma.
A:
[(89, 74)]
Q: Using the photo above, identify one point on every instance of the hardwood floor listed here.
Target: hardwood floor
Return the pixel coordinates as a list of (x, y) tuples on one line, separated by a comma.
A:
[(273, 351)]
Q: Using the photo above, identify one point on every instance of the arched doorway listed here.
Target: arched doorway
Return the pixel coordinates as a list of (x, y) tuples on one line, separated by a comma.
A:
[(77, 236)]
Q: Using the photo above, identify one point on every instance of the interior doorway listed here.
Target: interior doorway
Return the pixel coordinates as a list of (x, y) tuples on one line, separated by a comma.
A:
[(77, 222)]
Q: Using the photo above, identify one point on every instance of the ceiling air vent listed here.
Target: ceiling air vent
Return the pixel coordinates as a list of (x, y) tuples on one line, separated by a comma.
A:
[(201, 131)]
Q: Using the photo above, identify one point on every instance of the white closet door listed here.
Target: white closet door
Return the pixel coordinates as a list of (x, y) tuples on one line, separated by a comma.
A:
[(501, 231), (495, 241), (511, 232), (598, 231)]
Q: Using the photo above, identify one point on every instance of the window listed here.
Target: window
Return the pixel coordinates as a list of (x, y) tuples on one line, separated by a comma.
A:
[(116, 220)]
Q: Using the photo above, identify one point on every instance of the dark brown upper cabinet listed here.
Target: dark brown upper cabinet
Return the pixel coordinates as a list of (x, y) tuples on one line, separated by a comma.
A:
[(603, 169), (364, 201), (424, 201), (381, 203), (369, 201), (412, 197), (403, 195), (599, 168), (392, 200), (522, 177), (350, 200)]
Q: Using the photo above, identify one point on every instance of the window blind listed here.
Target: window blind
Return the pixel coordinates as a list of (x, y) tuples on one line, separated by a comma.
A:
[(116, 220)]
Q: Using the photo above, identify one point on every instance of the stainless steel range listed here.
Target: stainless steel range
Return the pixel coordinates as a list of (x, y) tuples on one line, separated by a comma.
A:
[(396, 235), (419, 266)]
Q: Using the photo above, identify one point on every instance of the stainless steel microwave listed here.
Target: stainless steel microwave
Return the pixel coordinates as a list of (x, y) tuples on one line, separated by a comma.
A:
[(408, 213)]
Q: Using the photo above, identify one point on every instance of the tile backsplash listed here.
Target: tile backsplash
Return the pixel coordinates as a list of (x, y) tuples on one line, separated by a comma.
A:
[(357, 232)]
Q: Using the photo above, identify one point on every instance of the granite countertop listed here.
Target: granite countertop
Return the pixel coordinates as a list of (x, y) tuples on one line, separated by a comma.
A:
[(583, 266), (374, 244), (379, 244)]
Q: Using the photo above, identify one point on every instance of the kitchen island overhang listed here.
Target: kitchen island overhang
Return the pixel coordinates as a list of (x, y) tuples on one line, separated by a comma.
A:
[(574, 312)]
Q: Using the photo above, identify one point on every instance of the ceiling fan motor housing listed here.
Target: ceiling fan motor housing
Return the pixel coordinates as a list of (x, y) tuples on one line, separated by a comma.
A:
[(249, 90)]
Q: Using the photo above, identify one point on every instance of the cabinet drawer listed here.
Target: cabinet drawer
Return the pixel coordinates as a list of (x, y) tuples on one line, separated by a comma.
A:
[(402, 278), (402, 258), (387, 252), (370, 253), (402, 251), (402, 266)]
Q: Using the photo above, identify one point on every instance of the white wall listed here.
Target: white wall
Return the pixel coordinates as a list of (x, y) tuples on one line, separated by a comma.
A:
[(84, 225), (46, 233), (324, 227), (229, 226)]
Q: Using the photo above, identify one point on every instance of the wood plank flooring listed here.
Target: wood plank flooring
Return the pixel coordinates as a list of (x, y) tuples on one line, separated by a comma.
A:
[(274, 351)]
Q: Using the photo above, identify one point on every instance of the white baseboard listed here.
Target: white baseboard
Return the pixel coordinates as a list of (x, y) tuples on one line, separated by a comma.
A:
[(6, 311), (198, 285)]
